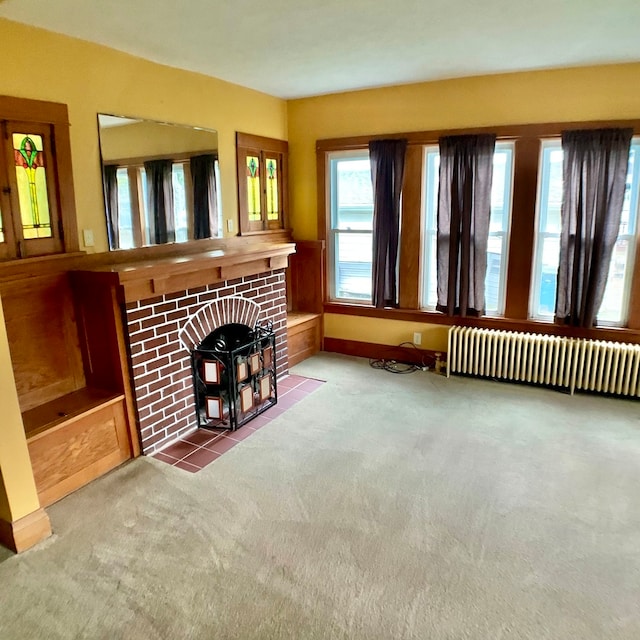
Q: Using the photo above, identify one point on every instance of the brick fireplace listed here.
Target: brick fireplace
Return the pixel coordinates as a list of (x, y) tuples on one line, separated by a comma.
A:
[(161, 373)]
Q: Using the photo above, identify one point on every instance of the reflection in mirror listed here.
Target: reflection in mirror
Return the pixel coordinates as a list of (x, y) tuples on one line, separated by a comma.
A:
[(161, 182)]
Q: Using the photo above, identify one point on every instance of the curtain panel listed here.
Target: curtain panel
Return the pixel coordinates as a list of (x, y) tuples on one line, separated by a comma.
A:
[(205, 201), (160, 200), (464, 210), (110, 182), (387, 172), (594, 177)]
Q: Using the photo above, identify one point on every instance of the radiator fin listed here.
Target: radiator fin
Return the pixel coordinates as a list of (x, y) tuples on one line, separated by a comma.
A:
[(586, 365)]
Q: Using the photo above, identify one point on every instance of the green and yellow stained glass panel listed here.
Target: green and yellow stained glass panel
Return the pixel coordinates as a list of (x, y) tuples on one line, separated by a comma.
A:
[(253, 188), (271, 169), (29, 157)]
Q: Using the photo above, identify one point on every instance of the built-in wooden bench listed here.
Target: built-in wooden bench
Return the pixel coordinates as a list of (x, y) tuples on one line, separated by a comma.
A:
[(304, 335), (75, 438)]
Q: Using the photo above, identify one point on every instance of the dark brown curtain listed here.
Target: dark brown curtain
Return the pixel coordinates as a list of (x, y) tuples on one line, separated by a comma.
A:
[(160, 200), (110, 183), (594, 177), (464, 210), (205, 202), (387, 171)]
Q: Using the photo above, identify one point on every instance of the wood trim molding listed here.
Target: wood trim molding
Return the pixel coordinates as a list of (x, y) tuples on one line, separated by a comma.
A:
[(522, 237), (505, 132), (150, 278), (420, 357), (261, 142), (26, 532), (26, 109), (411, 235)]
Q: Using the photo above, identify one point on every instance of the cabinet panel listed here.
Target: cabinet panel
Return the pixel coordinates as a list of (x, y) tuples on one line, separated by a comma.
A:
[(74, 453)]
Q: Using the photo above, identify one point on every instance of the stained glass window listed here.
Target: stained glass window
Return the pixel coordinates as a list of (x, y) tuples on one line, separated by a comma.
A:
[(253, 188), (273, 211), (32, 185)]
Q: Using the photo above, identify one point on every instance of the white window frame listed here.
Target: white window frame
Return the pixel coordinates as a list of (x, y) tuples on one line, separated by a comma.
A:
[(540, 236), (428, 262), (333, 233)]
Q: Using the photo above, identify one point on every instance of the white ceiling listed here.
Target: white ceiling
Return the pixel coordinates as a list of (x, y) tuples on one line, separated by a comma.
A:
[(296, 48)]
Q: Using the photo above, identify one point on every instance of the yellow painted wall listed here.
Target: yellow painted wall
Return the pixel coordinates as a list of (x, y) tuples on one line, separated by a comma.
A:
[(18, 495), (92, 79), (592, 93), (384, 331)]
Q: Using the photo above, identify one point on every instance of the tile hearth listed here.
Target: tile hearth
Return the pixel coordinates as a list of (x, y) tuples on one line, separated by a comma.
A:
[(202, 447)]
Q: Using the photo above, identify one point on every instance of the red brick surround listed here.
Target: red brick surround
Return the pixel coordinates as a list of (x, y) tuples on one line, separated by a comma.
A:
[(161, 367)]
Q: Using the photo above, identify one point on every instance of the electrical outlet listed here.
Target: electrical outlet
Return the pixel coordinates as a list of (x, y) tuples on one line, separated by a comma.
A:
[(417, 338), (87, 236)]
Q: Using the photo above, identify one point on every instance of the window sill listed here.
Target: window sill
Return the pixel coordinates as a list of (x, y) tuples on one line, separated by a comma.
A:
[(617, 334)]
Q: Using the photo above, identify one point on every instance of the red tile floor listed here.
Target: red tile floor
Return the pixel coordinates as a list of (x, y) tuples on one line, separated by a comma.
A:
[(202, 447)]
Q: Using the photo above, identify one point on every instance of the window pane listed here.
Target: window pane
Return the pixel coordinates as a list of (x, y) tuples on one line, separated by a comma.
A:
[(29, 157), (353, 194), (547, 250), (550, 258), (142, 177), (125, 222), (501, 189), (271, 169), (613, 309), (351, 223), (492, 281), (1, 228), (179, 202), (253, 188), (615, 293), (551, 189), (353, 265)]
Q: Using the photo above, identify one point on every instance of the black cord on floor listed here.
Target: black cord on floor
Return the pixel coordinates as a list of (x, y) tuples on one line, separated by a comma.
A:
[(392, 365)]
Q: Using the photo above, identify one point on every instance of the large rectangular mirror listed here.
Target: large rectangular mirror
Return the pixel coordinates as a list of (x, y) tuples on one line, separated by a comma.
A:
[(161, 182)]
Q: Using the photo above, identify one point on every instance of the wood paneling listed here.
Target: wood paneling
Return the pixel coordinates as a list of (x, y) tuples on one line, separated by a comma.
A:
[(68, 456), (304, 336), (306, 276), (43, 338)]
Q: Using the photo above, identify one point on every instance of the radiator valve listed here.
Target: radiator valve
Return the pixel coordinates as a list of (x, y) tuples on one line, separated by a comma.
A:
[(439, 364)]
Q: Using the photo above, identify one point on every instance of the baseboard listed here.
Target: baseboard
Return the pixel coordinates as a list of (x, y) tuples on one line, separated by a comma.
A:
[(22, 534), (376, 351)]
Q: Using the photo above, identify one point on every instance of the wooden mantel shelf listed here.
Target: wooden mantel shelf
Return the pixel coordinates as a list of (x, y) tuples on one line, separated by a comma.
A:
[(143, 279)]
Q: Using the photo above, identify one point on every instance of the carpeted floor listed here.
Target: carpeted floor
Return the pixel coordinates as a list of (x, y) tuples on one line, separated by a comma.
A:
[(380, 507)]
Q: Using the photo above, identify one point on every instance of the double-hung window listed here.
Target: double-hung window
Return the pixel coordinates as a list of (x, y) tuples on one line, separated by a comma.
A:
[(351, 226), (614, 308), (499, 225)]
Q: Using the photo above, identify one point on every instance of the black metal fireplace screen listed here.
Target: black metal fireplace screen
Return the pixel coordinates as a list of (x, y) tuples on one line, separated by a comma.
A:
[(234, 375)]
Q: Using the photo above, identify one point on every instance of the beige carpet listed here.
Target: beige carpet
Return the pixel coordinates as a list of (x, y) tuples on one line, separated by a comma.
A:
[(380, 507)]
